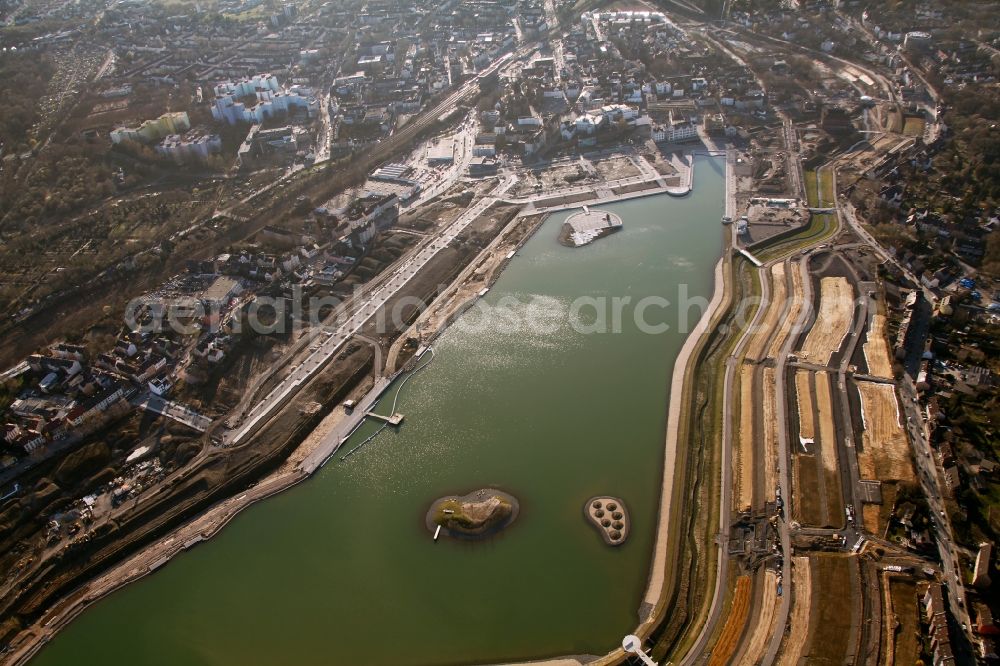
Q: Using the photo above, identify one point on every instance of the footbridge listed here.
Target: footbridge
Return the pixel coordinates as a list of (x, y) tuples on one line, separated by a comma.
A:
[(752, 259)]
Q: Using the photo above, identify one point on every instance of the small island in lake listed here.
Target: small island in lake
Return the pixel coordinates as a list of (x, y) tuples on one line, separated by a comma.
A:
[(479, 514), (587, 226), (610, 517)]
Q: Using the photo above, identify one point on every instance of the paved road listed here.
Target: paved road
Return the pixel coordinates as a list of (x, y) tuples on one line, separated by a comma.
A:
[(862, 233), (598, 33), (552, 18), (323, 136), (934, 491), (357, 316), (784, 456), (847, 452), (333, 440), (794, 163), (463, 157), (726, 500)]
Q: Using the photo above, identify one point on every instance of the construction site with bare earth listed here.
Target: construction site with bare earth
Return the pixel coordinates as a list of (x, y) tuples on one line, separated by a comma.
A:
[(819, 452), (821, 463), (808, 471)]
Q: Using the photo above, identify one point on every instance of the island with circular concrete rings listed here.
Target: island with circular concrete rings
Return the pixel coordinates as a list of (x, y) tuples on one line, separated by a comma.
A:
[(587, 226), (610, 517), (479, 514)]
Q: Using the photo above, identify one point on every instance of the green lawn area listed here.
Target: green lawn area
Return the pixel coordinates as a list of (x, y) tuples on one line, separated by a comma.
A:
[(819, 188), (812, 187), (820, 228), (827, 196)]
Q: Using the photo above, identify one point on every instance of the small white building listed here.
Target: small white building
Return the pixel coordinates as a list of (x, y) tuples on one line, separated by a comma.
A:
[(612, 112)]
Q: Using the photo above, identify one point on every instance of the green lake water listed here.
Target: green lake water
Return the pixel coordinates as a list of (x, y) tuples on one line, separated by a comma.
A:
[(342, 570)]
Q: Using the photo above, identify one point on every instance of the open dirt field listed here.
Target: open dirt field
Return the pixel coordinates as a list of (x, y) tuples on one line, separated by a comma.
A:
[(634, 187), (877, 349), (538, 180), (744, 458), (730, 637), (886, 450), (869, 518), (888, 639), (828, 451), (566, 199), (315, 438), (757, 349), (827, 432), (778, 341), (816, 487), (905, 621), (914, 126), (770, 427), (663, 166), (760, 635), (832, 610), (803, 394), (798, 630), (613, 168), (833, 320), (876, 516), (806, 507)]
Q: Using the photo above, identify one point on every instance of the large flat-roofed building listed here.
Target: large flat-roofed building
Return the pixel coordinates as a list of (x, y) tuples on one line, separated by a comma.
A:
[(370, 214), (151, 131), (442, 153), (190, 147), (483, 166), (271, 99), (392, 173), (220, 291)]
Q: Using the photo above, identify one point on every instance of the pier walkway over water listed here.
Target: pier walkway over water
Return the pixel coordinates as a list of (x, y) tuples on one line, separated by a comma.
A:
[(393, 420), (396, 418)]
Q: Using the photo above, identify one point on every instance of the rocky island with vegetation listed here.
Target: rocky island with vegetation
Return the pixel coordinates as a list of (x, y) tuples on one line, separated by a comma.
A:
[(477, 515)]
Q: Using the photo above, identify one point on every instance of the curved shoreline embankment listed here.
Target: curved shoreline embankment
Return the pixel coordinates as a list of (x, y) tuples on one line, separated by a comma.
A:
[(660, 579), (216, 517)]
